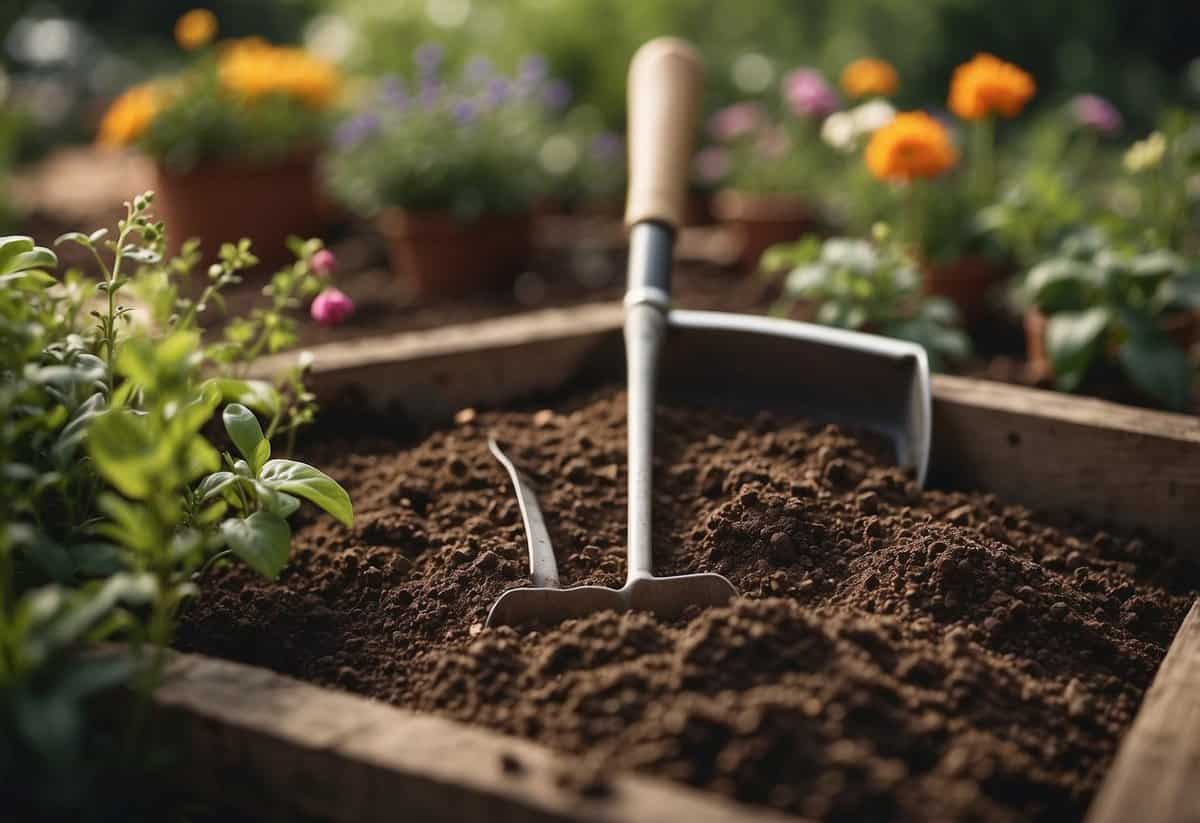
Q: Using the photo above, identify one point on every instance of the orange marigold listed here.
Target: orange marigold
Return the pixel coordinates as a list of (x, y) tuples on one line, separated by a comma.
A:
[(196, 28), (870, 77), (914, 145), (254, 68), (988, 85), (129, 116)]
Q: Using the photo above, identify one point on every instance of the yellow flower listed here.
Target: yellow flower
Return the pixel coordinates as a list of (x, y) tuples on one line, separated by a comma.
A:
[(129, 116), (988, 85), (1145, 154), (254, 68), (913, 145), (870, 77), (195, 29)]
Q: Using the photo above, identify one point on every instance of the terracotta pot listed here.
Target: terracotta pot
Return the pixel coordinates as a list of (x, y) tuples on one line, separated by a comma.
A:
[(448, 258), (759, 221), (964, 281), (224, 202), (1182, 327)]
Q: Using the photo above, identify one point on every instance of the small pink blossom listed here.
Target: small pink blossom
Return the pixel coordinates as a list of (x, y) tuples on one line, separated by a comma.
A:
[(711, 165), (736, 121), (331, 307), (1094, 112), (773, 143), (323, 262), (808, 94)]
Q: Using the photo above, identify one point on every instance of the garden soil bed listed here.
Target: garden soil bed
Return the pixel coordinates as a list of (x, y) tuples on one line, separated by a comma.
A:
[(896, 653)]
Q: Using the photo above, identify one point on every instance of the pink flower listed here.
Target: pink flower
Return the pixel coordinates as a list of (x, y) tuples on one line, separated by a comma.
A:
[(735, 121), (711, 165), (1094, 112), (323, 262), (773, 142), (808, 94), (331, 307)]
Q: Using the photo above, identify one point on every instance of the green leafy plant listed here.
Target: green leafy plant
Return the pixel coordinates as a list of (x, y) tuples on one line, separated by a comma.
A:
[(113, 500), (1109, 303), (867, 286)]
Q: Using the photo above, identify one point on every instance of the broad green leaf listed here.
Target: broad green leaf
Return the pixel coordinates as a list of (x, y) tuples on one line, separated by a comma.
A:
[(1060, 284), (212, 485), (129, 524), (1072, 339), (124, 453), (247, 435), (261, 540), (257, 395), (12, 246), (96, 559), (1159, 368), (302, 480), (275, 501), (36, 258)]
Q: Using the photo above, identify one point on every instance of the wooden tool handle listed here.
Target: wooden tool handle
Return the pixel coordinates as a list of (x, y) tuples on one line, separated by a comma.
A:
[(666, 78)]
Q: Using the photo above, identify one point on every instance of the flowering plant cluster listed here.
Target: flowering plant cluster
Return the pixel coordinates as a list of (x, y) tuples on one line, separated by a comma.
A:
[(467, 144), (242, 101), (114, 498)]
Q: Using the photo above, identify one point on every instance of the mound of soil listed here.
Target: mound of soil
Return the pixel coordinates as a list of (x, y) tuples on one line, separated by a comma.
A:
[(896, 653)]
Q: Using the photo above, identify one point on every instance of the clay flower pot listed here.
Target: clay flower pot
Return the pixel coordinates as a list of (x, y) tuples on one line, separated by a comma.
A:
[(964, 281), (224, 202), (1182, 327), (759, 221), (446, 257)]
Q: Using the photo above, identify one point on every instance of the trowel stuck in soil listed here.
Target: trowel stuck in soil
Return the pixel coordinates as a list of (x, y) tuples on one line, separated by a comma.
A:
[(896, 654)]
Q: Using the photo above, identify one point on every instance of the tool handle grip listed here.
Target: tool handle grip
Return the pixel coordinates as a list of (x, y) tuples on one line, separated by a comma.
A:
[(666, 78)]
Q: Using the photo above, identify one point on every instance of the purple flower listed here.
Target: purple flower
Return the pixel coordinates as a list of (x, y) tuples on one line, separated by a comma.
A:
[(323, 263), (499, 90), (431, 92), (607, 146), (354, 131), (392, 92), (711, 165), (557, 95), (331, 307), (736, 121), (533, 69), (429, 57), (808, 93), (464, 112), (1094, 112)]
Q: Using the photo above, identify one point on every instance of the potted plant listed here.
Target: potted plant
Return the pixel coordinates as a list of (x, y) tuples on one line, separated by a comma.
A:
[(763, 164), (450, 169), (1097, 310), (872, 286), (234, 136)]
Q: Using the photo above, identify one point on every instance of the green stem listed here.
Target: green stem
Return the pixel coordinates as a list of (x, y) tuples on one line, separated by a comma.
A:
[(983, 147), (914, 218)]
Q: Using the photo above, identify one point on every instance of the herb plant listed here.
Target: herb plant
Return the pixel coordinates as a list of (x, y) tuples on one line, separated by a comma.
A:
[(868, 286), (1109, 303), (112, 497)]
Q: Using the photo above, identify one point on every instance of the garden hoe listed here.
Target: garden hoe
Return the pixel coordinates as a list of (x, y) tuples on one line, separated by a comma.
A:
[(825, 374)]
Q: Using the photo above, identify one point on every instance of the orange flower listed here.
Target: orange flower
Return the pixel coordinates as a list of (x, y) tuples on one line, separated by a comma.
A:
[(870, 77), (129, 116), (988, 85), (195, 29), (913, 145), (254, 68)]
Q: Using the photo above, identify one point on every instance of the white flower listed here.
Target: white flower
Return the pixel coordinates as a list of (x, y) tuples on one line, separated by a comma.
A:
[(845, 129), (872, 116), (839, 132)]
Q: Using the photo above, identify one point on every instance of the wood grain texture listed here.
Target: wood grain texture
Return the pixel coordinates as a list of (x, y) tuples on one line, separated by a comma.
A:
[(278, 747), (1156, 776)]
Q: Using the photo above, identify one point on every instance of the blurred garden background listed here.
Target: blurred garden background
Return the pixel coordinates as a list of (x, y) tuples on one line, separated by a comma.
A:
[(1049, 238)]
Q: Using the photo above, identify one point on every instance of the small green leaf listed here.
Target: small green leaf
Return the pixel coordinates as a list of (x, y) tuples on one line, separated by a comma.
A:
[(302, 480), (257, 395), (247, 435), (212, 485), (123, 452), (261, 540), (1072, 339)]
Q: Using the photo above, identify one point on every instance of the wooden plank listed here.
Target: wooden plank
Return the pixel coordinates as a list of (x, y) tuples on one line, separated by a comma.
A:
[(1130, 466), (1156, 775), (278, 746)]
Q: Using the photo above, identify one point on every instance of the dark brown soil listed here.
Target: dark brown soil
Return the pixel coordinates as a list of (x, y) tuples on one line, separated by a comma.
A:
[(896, 654)]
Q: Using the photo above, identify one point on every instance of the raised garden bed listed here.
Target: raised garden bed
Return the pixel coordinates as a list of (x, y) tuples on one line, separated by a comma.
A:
[(898, 654)]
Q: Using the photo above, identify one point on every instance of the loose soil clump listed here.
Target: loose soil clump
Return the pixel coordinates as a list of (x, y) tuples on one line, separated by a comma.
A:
[(896, 653)]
